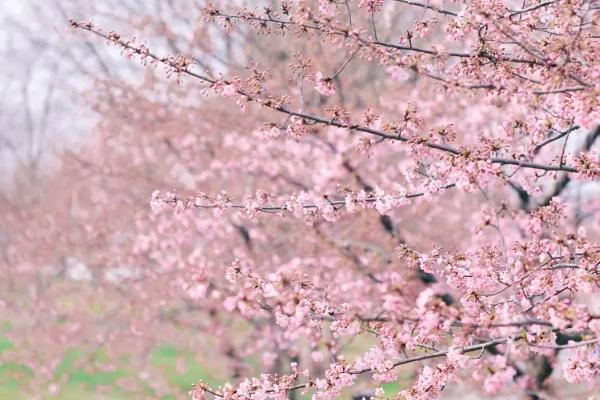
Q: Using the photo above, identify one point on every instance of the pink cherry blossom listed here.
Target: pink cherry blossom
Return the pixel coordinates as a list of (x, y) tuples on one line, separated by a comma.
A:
[(324, 85), (316, 198)]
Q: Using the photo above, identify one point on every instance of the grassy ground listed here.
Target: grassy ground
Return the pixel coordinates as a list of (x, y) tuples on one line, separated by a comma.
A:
[(83, 384)]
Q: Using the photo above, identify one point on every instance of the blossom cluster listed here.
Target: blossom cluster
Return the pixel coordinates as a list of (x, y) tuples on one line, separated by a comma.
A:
[(417, 176)]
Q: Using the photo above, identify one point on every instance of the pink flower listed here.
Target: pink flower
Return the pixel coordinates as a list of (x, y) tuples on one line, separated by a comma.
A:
[(371, 5), (457, 358), (229, 90), (327, 8), (424, 26), (583, 365), (498, 380), (323, 85)]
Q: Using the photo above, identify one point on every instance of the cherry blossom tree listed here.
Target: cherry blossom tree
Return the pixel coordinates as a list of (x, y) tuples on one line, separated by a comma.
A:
[(346, 190)]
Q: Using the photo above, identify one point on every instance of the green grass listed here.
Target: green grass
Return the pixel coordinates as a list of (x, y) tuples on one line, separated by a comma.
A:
[(84, 383), (80, 380)]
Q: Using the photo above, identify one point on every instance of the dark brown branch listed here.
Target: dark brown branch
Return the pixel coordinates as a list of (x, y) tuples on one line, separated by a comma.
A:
[(321, 120)]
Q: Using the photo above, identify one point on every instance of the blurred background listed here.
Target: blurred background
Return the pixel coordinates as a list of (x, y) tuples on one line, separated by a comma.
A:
[(95, 295), (99, 297), (59, 297)]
